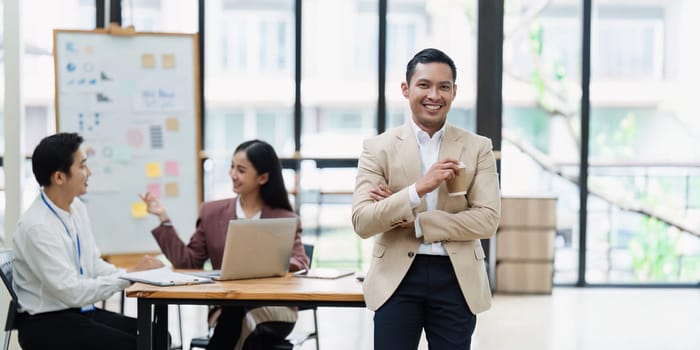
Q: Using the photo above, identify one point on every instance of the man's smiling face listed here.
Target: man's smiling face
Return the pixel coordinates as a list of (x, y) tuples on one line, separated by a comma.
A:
[(430, 94)]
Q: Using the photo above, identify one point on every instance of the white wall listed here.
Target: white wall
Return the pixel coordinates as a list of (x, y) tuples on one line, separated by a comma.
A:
[(14, 117)]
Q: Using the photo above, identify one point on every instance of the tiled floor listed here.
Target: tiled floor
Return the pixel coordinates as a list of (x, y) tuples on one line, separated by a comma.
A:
[(576, 319)]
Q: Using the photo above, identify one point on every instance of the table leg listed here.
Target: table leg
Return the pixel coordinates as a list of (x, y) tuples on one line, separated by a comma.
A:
[(145, 336), (160, 327), (122, 298)]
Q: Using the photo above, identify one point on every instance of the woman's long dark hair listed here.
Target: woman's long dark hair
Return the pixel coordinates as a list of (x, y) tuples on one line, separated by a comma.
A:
[(264, 159)]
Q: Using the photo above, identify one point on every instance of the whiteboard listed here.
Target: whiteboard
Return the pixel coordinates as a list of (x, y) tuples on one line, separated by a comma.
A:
[(135, 100)]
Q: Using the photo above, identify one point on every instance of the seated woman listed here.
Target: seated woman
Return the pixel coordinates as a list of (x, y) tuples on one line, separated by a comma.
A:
[(257, 180)]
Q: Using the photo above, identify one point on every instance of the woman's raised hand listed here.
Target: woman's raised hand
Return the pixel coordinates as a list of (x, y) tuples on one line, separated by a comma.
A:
[(154, 206)]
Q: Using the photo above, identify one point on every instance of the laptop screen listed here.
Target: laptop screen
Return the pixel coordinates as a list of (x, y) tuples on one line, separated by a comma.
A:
[(258, 248)]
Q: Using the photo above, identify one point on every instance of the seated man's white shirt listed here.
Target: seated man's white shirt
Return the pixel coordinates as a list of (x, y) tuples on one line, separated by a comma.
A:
[(46, 272)]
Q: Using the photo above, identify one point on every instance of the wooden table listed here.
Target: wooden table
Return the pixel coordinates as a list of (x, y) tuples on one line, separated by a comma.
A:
[(282, 291), (127, 260)]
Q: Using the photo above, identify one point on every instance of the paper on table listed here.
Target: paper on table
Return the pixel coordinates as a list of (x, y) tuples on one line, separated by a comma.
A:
[(164, 276), (323, 273)]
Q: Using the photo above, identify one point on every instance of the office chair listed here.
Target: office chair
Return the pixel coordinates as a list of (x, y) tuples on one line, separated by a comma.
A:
[(298, 340), (202, 342), (6, 257)]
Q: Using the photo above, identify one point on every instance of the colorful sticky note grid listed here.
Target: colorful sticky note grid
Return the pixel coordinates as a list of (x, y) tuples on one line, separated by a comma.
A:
[(153, 170), (138, 210)]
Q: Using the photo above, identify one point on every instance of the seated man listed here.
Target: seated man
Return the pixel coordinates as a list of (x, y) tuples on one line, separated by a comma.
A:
[(58, 272)]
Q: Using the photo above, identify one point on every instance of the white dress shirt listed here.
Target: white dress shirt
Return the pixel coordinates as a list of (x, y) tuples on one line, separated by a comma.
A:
[(429, 153), (240, 213), (47, 274)]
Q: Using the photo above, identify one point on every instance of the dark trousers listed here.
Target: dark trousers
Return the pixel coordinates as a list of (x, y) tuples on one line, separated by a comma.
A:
[(228, 329), (71, 329), (428, 298)]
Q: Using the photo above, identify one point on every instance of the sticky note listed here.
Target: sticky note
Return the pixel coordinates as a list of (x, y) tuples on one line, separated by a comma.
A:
[(168, 61), (154, 189), (153, 170), (138, 210), (171, 189), (172, 124), (171, 168), (148, 60)]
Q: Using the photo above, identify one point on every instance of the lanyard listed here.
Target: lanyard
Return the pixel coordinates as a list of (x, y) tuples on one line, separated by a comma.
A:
[(77, 237)]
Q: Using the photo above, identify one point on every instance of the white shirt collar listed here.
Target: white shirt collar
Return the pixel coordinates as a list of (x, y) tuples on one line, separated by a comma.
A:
[(65, 214), (240, 213), (422, 137)]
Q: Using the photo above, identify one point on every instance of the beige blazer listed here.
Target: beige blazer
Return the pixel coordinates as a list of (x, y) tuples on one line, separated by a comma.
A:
[(393, 158)]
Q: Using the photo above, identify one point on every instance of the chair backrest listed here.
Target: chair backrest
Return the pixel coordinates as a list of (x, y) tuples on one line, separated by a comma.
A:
[(6, 257), (309, 250)]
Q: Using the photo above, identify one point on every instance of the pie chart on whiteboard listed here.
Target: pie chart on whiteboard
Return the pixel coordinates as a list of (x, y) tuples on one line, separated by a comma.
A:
[(134, 138)]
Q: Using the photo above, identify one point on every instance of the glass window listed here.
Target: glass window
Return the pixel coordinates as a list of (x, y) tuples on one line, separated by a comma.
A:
[(273, 126), (249, 91), (179, 16), (223, 127), (629, 42), (541, 138), (642, 222), (38, 66), (339, 85), (413, 25), (339, 97), (258, 41), (41, 18), (366, 48), (38, 75), (233, 45)]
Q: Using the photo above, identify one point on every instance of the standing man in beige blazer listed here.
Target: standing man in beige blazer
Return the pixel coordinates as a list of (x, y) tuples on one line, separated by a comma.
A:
[(427, 268)]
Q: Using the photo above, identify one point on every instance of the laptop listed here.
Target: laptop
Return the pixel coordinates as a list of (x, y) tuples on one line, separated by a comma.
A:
[(256, 249)]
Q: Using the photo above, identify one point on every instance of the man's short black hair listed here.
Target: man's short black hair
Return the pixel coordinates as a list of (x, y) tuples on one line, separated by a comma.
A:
[(54, 153), (429, 55)]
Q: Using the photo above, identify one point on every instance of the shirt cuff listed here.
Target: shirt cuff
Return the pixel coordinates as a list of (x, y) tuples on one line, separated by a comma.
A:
[(414, 199), (419, 231), (123, 284)]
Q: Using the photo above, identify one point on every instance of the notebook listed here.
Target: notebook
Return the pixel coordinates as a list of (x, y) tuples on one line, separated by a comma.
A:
[(256, 249)]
